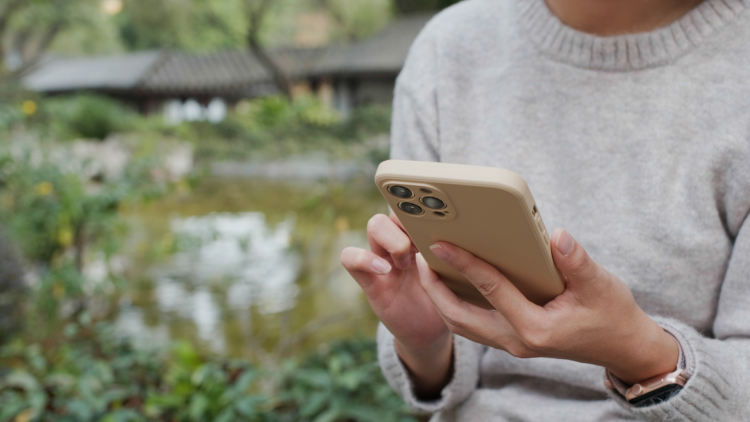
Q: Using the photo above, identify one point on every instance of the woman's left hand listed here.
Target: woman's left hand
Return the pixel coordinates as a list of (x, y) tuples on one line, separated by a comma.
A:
[(595, 320)]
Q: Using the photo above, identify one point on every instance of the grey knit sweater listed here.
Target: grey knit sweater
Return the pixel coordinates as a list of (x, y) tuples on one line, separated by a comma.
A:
[(639, 145)]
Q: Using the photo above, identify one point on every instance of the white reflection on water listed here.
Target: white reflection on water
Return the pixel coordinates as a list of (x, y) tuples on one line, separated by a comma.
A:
[(229, 262)]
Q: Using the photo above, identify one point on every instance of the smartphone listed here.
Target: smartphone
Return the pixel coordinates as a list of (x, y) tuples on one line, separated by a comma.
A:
[(486, 211)]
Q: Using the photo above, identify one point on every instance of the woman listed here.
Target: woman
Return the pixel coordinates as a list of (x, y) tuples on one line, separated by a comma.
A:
[(630, 120)]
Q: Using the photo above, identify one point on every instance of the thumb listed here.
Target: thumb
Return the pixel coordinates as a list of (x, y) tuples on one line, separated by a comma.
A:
[(572, 259)]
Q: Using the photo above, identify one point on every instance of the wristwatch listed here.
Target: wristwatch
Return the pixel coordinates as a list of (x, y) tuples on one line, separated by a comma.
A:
[(657, 389)]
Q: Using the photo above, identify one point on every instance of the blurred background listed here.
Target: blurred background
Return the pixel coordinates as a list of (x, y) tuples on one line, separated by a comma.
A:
[(177, 180)]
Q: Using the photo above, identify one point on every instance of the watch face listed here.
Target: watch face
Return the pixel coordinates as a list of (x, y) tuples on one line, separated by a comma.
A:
[(657, 396)]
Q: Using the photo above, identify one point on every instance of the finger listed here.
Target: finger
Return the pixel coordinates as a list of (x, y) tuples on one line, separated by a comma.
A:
[(493, 285), (573, 261), (461, 317), (395, 219), (363, 265), (388, 240)]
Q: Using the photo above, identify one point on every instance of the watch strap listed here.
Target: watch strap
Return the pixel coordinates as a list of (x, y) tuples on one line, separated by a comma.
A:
[(661, 393)]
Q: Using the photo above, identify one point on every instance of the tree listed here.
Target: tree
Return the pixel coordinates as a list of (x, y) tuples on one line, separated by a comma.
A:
[(186, 25), (255, 13), (28, 28), (358, 19)]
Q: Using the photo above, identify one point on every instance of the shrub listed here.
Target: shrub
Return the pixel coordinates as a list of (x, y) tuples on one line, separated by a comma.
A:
[(96, 117), (86, 116), (12, 290), (90, 375)]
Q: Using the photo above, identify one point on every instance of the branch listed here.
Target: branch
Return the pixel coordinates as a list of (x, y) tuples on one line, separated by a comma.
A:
[(340, 19), (5, 17), (42, 47), (255, 16)]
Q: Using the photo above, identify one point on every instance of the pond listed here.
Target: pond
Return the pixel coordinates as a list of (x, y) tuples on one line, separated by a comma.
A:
[(248, 268)]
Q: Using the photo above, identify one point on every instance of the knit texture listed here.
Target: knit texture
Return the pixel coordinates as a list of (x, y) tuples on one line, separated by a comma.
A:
[(639, 146)]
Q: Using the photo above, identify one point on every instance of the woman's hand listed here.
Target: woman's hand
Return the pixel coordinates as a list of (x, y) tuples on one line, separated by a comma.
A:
[(595, 320), (390, 280)]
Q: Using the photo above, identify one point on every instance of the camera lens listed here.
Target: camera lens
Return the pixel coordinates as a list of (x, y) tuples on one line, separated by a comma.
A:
[(410, 208), (433, 203), (400, 192)]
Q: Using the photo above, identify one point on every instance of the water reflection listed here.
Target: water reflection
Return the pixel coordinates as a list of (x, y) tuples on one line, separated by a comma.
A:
[(252, 271), (240, 249)]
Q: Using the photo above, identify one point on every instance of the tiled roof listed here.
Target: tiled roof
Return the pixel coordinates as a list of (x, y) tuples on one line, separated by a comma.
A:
[(120, 72), (229, 73), (385, 53), (234, 73)]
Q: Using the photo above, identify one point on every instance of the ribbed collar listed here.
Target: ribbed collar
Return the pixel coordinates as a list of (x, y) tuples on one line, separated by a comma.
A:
[(626, 52)]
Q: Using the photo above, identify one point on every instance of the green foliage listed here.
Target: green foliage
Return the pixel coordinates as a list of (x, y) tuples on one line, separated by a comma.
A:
[(34, 25), (357, 19), (181, 24), (12, 97), (12, 290), (85, 116), (95, 117), (274, 126), (58, 218), (341, 382), (48, 210), (196, 25), (91, 375)]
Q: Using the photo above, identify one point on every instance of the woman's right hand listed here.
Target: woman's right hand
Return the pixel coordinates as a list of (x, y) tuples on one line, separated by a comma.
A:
[(389, 277)]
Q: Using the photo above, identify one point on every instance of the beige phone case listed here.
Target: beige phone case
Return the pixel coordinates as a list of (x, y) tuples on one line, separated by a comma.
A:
[(487, 211)]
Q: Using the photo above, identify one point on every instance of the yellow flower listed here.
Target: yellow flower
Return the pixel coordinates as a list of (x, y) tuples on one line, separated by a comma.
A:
[(29, 107), (44, 188), (342, 224), (8, 201), (24, 416), (65, 237), (58, 291)]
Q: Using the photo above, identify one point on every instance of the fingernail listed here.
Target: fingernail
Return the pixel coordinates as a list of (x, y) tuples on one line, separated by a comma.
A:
[(406, 262), (419, 259), (440, 253), (565, 243), (381, 266)]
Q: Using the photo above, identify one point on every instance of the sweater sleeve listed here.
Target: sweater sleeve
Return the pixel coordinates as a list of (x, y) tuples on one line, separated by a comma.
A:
[(466, 357), (719, 367)]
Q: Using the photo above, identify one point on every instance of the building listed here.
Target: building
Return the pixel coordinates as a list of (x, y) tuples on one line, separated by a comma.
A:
[(365, 72), (195, 85)]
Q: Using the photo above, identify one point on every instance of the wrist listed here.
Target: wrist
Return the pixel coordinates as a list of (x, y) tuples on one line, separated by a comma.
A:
[(430, 366), (653, 353)]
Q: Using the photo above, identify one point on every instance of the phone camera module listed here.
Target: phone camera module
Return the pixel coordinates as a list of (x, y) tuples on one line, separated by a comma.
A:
[(400, 192), (410, 208), (434, 203)]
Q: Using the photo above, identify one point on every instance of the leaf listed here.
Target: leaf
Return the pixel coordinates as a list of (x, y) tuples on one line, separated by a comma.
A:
[(198, 406), (8, 411), (226, 416), (314, 405), (23, 380), (315, 377), (61, 381), (199, 375), (186, 355), (167, 401), (351, 379), (365, 414), (79, 410), (328, 416), (122, 415), (245, 380), (247, 405)]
